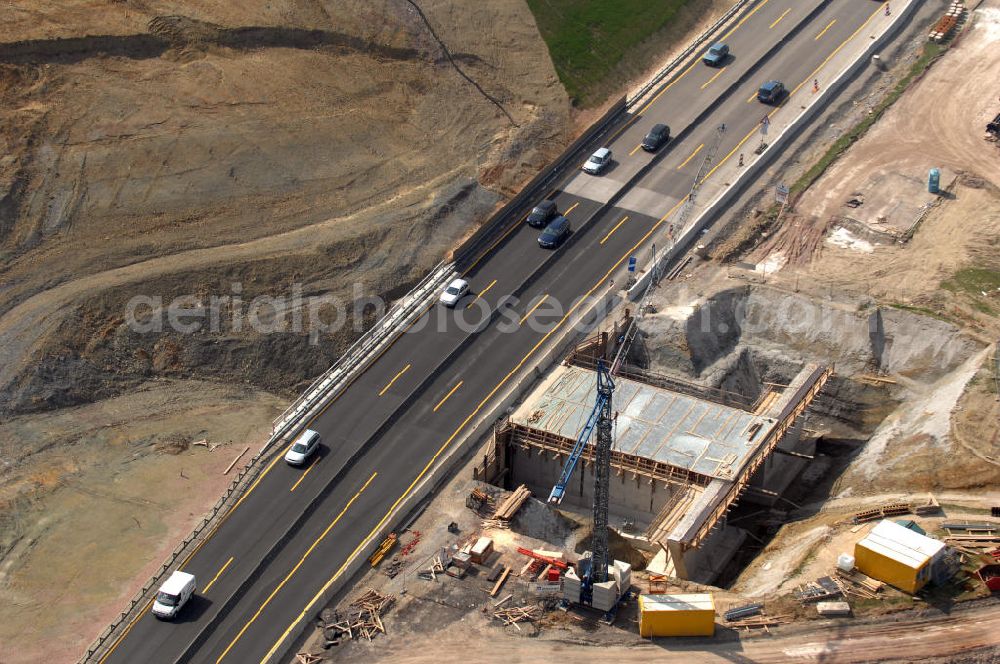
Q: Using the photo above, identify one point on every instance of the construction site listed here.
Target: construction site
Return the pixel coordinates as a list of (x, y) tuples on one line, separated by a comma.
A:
[(672, 481), (682, 455), (664, 485), (785, 448)]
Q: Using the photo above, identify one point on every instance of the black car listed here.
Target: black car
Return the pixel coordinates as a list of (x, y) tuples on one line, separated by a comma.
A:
[(771, 92), (554, 233), (656, 137), (541, 214)]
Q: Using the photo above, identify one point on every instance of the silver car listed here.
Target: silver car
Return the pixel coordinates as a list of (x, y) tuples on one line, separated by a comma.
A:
[(455, 291), (598, 161), (304, 447)]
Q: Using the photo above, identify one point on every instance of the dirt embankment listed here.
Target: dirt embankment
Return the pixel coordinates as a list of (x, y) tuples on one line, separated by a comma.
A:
[(261, 136)]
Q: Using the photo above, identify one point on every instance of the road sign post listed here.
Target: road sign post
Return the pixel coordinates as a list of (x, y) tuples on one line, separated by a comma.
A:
[(765, 123), (781, 193)]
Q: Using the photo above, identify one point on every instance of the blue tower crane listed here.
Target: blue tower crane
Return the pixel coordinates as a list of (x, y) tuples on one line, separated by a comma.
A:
[(600, 418)]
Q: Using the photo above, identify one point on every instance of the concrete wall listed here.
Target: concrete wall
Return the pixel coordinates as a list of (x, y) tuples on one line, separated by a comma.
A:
[(628, 496)]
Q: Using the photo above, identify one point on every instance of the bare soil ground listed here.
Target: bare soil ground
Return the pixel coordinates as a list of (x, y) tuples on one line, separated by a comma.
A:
[(229, 138), (94, 498), (943, 435)]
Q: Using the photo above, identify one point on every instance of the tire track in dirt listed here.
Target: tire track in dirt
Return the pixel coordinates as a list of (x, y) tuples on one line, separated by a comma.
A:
[(23, 326)]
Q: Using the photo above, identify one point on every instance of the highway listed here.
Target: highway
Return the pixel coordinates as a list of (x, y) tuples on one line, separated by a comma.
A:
[(426, 389)]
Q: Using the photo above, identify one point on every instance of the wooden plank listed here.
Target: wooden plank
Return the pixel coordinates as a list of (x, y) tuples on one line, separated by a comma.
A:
[(500, 581), (238, 457)]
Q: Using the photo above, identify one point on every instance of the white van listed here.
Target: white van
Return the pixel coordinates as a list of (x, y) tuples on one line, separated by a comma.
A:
[(173, 594)]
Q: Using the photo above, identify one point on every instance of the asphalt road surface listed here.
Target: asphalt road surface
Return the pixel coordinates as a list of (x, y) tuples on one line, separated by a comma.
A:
[(425, 390)]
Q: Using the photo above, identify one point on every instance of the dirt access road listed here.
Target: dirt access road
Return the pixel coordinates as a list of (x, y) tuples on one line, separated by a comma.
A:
[(964, 635)]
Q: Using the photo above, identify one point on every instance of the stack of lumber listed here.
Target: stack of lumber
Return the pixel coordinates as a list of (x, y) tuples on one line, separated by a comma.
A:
[(971, 533), (478, 501), (517, 614), (856, 583), (383, 549), (882, 512), (364, 617), (761, 621), (818, 591), (512, 503)]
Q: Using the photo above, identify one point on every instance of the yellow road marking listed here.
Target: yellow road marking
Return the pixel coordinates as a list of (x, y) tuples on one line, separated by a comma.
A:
[(778, 20), (807, 79), (532, 310), (828, 26), (218, 574), (571, 208), (394, 379), (752, 97), (624, 219), (444, 446), (691, 156), (635, 149), (717, 74), (836, 51), (742, 21), (295, 569), (303, 475), (441, 403), (481, 293)]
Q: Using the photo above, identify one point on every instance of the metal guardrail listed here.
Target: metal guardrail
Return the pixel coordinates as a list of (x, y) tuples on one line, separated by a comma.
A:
[(486, 237), (333, 381), (696, 46), (353, 356)]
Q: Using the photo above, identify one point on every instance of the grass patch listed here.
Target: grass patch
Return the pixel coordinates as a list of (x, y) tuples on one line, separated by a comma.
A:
[(923, 311), (973, 280), (932, 52), (588, 38)]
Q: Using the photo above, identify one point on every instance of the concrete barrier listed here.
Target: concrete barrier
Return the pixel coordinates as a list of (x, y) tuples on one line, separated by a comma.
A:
[(903, 9)]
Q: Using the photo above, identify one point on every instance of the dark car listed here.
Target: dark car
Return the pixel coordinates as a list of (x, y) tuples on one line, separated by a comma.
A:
[(554, 233), (541, 214), (716, 55), (771, 92), (656, 137)]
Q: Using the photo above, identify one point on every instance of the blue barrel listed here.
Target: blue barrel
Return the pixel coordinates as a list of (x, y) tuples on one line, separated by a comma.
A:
[(934, 181)]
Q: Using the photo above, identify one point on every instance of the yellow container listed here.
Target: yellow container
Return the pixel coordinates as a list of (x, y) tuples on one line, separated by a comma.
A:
[(898, 556), (676, 615)]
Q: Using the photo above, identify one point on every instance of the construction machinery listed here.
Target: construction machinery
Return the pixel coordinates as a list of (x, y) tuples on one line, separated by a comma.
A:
[(601, 419)]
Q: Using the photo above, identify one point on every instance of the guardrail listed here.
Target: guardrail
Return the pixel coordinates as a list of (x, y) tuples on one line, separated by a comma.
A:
[(353, 357), (485, 239), (755, 167), (696, 46), (488, 235), (333, 381)]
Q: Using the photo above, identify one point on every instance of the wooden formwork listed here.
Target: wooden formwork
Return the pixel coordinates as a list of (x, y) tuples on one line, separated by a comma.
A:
[(804, 396), (621, 462)]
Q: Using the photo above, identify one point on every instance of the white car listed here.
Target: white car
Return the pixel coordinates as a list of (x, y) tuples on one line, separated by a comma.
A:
[(598, 161), (304, 447), (455, 291)]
